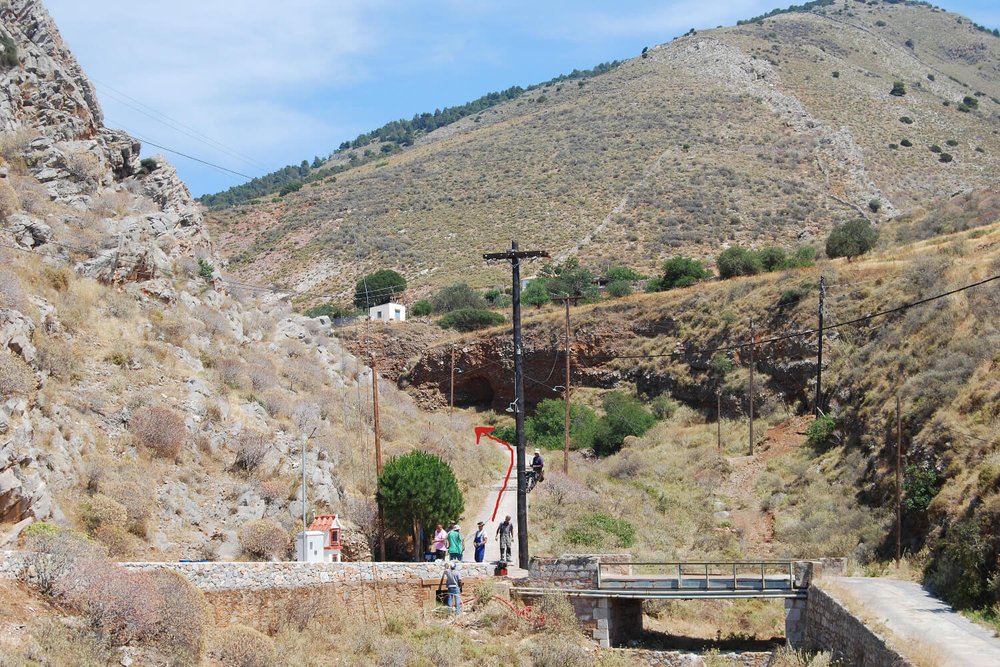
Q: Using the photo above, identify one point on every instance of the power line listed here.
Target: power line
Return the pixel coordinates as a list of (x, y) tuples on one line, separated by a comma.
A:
[(176, 125), (185, 155)]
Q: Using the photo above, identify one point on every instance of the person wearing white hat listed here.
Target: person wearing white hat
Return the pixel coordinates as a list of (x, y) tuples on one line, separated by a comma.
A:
[(455, 546), (538, 465), (479, 542)]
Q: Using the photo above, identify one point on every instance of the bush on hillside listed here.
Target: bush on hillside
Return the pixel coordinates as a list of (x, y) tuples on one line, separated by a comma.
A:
[(546, 428), (470, 319), (421, 308), (682, 272), (10, 203), (100, 510), (624, 415), (16, 378), (54, 553), (619, 288), (737, 261), (851, 239), (242, 646), (820, 432), (251, 448), (960, 565), (569, 279), (535, 294), (263, 538), (160, 429), (332, 310), (898, 89), (377, 288), (772, 258), (456, 297), (622, 273)]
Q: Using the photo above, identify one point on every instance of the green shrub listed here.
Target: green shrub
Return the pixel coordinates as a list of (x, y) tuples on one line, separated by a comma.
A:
[(457, 296), (682, 272), (836, 74), (874, 205), (772, 258), (16, 378), (622, 273), (421, 308), (619, 288), (205, 270), (952, 142), (850, 239), (594, 530), (905, 142), (935, 148), (377, 288), (546, 428), (920, 485), (149, 165), (791, 296), (945, 157), (535, 294), (470, 319), (100, 510), (624, 416), (960, 565), (332, 310), (8, 57), (737, 261), (289, 188), (898, 89), (906, 120), (820, 432), (664, 407)]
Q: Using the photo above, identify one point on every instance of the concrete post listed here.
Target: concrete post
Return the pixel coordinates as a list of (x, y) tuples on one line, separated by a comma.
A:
[(795, 621)]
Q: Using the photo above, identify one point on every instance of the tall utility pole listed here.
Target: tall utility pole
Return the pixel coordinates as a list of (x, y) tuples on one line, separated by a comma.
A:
[(718, 415), (514, 256), (566, 299), (378, 457), (451, 400), (899, 489), (751, 386), (819, 349)]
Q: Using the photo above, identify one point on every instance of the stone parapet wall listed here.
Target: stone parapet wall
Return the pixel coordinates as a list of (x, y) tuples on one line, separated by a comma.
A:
[(576, 570), (828, 625)]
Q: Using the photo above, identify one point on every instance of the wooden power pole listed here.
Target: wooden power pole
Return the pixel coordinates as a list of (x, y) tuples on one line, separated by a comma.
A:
[(451, 399), (751, 386), (819, 350), (514, 256), (566, 300), (899, 487), (378, 459)]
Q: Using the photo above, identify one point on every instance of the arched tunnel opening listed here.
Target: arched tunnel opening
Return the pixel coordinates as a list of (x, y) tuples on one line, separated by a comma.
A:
[(474, 392)]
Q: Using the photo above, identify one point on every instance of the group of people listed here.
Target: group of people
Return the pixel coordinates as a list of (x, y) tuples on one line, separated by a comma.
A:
[(449, 547)]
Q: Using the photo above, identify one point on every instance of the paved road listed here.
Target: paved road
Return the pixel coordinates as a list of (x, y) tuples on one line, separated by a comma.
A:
[(508, 506), (912, 614)]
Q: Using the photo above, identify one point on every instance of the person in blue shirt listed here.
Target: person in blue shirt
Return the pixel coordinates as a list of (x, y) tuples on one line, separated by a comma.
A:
[(538, 465), (479, 541)]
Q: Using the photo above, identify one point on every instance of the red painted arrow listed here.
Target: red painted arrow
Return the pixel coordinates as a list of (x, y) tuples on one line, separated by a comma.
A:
[(486, 430)]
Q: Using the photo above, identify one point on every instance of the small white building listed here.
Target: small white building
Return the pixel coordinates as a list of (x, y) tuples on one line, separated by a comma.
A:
[(388, 312), (310, 547)]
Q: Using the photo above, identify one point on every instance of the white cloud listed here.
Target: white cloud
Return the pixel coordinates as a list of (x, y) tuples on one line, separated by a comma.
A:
[(236, 71)]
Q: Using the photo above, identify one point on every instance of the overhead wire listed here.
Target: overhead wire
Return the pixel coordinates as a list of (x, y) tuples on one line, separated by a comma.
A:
[(132, 103)]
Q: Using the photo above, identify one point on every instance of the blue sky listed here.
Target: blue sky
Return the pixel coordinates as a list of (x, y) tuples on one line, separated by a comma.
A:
[(253, 85)]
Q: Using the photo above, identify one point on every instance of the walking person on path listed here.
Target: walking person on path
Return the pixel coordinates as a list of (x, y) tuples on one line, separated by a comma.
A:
[(479, 542), (453, 580), (455, 546), (505, 533), (440, 543)]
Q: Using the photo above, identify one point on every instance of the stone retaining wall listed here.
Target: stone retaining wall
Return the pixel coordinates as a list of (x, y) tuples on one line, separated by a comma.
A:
[(684, 659), (829, 626)]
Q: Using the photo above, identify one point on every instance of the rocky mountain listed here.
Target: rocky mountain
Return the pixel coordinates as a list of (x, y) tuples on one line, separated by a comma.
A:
[(767, 132), (140, 400)]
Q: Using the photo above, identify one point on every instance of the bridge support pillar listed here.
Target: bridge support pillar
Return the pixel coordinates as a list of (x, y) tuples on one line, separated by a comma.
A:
[(613, 620), (795, 621)]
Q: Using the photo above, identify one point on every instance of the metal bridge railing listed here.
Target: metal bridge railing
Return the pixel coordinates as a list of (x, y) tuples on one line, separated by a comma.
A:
[(760, 575)]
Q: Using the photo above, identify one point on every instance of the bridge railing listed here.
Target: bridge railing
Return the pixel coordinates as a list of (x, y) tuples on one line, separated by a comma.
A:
[(759, 575)]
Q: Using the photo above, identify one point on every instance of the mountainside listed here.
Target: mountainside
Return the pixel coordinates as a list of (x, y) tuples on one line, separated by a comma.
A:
[(763, 133), (140, 400)]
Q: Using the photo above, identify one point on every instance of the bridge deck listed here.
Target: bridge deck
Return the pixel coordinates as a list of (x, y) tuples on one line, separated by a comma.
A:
[(701, 583), (666, 593)]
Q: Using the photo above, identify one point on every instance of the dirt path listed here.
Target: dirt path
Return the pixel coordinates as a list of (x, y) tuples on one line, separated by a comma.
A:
[(923, 625), (755, 526)]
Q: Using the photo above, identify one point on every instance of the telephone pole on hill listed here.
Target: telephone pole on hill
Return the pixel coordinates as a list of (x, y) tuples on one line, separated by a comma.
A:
[(514, 256), (751, 387), (566, 300), (819, 349), (378, 458)]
